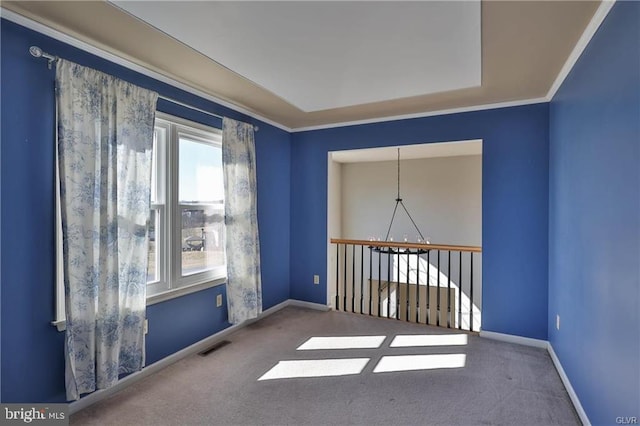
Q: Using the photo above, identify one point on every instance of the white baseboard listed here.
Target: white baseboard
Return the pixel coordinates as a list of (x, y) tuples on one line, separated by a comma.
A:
[(510, 338), (310, 305), (268, 312), (99, 395), (556, 363), (567, 384)]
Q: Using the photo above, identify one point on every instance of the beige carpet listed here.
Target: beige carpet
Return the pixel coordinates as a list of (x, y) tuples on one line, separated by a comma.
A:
[(497, 383)]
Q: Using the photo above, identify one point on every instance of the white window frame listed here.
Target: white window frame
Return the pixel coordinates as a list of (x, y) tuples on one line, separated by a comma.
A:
[(161, 136), (169, 283), (177, 284)]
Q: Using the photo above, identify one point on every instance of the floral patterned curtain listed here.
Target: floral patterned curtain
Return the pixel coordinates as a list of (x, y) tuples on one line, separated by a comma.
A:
[(244, 288), (105, 137)]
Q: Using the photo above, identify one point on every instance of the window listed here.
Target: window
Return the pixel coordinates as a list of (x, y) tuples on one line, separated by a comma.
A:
[(186, 226), (186, 230)]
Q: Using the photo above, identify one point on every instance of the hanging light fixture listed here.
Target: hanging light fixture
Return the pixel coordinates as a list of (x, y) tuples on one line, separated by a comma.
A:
[(399, 202)]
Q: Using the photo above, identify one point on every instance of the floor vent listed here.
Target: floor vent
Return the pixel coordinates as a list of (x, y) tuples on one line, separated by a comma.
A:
[(215, 347)]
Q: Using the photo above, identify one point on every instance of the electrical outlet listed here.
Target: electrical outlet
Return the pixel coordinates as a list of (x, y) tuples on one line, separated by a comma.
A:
[(557, 322), (219, 300), (316, 279), (145, 327)]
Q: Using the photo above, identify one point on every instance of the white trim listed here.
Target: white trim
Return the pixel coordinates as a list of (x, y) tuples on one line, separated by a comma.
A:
[(511, 338), (309, 305), (266, 313), (592, 27), (334, 223), (100, 395), (424, 114), (60, 325), (544, 344), (65, 38), (567, 384), (184, 290)]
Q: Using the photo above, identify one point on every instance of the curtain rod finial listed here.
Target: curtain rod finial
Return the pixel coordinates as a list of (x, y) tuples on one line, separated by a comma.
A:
[(35, 51)]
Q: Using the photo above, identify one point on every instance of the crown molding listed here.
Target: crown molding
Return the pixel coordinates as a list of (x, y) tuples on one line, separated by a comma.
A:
[(424, 114), (82, 45), (597, 19)]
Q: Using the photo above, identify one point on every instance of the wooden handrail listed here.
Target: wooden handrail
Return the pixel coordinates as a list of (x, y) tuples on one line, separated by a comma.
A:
[(474, 249)]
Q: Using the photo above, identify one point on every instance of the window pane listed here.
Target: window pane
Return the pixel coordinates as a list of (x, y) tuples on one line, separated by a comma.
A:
[(202, 239), (152, 267), (200, 173)]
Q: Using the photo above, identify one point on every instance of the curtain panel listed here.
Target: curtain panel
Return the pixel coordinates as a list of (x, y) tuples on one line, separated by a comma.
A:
[(105, 138), (244, 287)]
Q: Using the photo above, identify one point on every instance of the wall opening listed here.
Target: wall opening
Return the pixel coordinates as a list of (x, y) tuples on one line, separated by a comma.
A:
[(441, 185)]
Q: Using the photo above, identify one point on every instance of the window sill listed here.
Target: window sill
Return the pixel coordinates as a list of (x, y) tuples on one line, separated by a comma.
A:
[(61, 325), (182, 291)]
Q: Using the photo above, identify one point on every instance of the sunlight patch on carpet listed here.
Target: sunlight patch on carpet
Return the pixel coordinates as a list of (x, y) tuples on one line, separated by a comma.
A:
[(342, 342), (404, 341), (315, 368), (419, 362)]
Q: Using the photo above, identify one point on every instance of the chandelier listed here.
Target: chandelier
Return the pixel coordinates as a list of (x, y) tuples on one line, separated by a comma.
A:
[(421, 239)]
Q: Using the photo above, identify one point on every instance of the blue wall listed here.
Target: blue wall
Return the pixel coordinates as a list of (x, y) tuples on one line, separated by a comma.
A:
[(594, 220), (32, 365), (514, 205), (557, 178)]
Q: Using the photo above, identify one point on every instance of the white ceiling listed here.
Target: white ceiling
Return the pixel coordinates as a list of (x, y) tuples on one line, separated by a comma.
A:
[(409, 152), (318, 55), (324, 55)]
